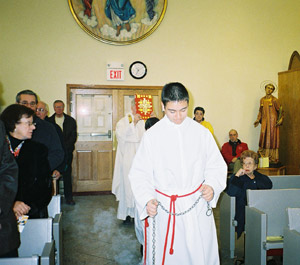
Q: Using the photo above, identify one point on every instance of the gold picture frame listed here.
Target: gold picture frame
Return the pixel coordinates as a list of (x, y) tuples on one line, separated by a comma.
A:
[(118, 22)]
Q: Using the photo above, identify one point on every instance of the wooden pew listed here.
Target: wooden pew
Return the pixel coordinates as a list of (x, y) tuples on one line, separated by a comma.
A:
[(265, 218), (227, 211), (54, 211), (291, 244)]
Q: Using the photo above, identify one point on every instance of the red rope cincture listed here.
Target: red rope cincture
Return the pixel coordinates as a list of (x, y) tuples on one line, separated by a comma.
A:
[(173, 198), (145, 245)]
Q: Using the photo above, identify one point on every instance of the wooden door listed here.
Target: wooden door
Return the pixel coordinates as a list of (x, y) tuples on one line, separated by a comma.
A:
[(97, 110), (289, 94)]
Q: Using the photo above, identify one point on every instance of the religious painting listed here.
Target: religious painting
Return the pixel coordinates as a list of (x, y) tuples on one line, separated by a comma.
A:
[(118, 22)]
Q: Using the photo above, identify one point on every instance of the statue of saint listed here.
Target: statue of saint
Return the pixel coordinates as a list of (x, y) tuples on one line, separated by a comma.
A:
[(270, 115)]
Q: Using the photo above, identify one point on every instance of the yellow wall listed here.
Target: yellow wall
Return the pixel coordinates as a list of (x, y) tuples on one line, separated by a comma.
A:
[(221, 50)]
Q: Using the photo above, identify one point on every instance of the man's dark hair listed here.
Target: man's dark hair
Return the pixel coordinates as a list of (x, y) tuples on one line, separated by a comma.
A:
[(13, 114), (58, 101), (26, 92), (174, 92), (150, 122)]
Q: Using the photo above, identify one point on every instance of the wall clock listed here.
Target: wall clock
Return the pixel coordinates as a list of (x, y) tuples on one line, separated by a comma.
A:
[(138, 70)]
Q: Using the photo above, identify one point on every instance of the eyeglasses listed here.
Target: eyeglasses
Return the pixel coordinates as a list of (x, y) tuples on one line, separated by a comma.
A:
[(58, 107), (40, 109), (26, 103), (29, 123), (248, 164)]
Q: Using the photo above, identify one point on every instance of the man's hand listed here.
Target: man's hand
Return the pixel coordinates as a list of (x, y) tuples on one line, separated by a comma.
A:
[(151, 207), (207, 192), (137, 118), (20, 208), (153, 114), (56, 174)]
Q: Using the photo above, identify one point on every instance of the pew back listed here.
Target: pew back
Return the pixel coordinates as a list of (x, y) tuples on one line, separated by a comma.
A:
[(36, 233), (273, 203), (54, 206), (286, 182), (266, 218)]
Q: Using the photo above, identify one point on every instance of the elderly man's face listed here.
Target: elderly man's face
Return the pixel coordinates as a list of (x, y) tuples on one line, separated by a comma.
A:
[(59, 108), (233, 135), (41, 111)]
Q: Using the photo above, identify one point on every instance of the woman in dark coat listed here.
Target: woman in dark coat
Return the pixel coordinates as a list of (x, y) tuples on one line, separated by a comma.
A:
[(35, 183), (9, 235), (246, 178)]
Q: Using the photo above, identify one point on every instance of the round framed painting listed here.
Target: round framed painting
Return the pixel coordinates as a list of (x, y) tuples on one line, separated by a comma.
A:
[(118, 22)]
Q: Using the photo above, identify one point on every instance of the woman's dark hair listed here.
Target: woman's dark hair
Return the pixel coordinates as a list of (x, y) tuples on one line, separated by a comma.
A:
[(201, 109), (150, 122), (13, 114), (249, 153), (174, 92)]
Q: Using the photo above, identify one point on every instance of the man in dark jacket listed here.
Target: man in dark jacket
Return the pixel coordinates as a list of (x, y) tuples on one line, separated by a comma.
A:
[(9, 235), (44, 132), (69, 128)]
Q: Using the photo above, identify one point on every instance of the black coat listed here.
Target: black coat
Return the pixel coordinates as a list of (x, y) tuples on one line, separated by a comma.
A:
[(69, 131), (9, 235), (45, 134), (62, 167), (35, 181), (237, 187)]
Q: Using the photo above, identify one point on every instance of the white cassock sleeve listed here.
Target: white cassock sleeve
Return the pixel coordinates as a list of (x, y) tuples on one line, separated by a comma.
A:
[(141, 178), (215, 169)]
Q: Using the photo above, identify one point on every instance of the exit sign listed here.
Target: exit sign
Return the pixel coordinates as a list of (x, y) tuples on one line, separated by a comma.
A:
[(115, 71)]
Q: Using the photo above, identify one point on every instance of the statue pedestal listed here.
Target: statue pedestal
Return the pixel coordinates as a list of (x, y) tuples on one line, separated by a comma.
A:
[(271, 171)]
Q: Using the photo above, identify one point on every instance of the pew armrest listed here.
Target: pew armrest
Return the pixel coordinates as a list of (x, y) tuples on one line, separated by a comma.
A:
[(57, 236), (227, 224), (256, 230), (48, 255)]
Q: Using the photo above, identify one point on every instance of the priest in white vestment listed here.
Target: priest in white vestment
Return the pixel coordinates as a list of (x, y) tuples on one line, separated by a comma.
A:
[(175, 157), (129, 132)]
